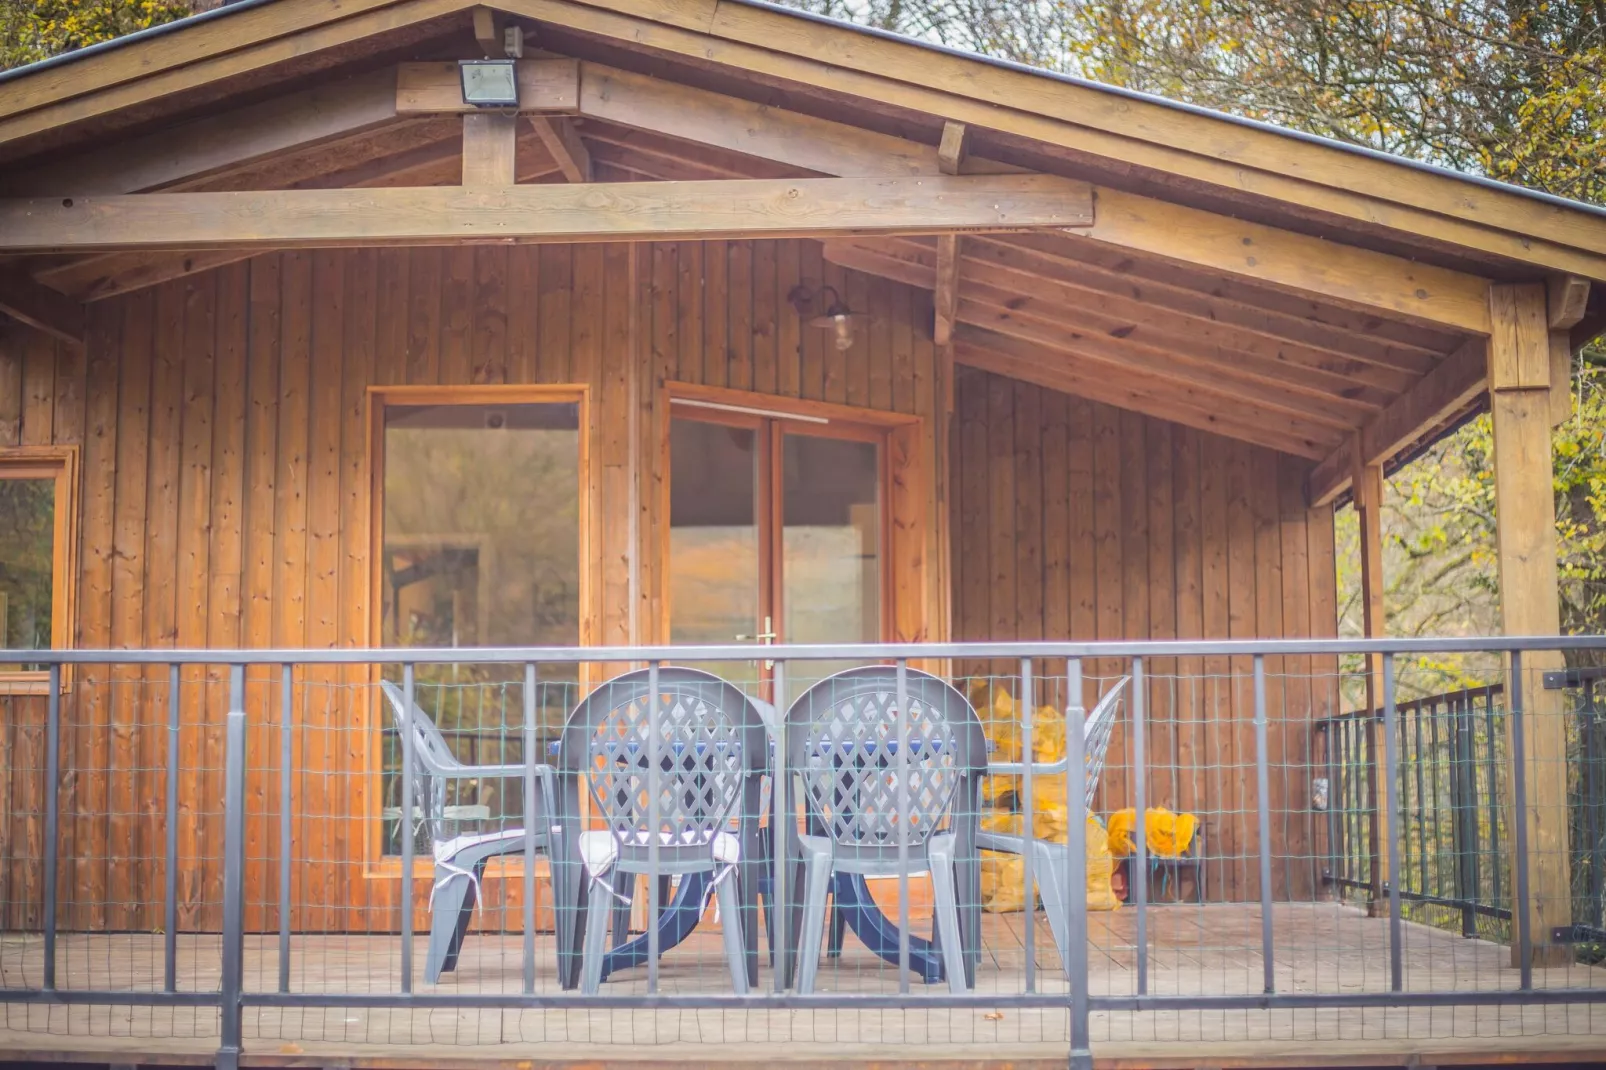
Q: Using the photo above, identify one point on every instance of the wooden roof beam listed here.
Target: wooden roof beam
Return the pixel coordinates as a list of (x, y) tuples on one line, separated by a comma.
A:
[(1358, 278), (219, 143), (39, 306), (951, 155), (629, 211), (1040, 283), (1439, 395), (771, 44)]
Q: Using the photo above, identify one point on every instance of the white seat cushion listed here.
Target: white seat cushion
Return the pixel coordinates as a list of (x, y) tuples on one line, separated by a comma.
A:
[(446, 850), (599, 850)]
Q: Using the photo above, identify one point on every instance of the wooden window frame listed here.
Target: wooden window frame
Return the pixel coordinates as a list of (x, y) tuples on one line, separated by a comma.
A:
[(370, 830), (61, 464), (895, 433)]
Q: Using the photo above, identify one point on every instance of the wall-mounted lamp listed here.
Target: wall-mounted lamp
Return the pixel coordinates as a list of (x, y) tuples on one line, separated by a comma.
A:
[(489, 83), (837, 317)]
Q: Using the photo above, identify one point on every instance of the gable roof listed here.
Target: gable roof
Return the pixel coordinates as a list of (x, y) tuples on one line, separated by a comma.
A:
[(1289, 290), (236, 7)]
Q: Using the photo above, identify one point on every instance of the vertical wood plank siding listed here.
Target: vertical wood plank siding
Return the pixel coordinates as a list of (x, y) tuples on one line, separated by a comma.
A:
[(1073, 520), (225, 502)]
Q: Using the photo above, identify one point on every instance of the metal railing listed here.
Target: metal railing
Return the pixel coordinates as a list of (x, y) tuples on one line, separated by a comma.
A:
[(1243, 668), (1451, 818)]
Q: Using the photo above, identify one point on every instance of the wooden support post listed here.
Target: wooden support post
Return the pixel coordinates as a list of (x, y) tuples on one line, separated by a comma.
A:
[(950, 155), (489, 143), (1367, 481), (1525, 524)]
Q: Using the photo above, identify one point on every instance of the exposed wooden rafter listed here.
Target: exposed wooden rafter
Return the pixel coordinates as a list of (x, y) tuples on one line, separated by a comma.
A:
[(1443, 392), (218, 143), (39, 306), (561, 140), (1355, 277), (639, 211), (1062, 370)]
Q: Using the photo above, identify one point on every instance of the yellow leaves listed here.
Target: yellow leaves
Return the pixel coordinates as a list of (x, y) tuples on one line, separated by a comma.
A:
[(31, 30)]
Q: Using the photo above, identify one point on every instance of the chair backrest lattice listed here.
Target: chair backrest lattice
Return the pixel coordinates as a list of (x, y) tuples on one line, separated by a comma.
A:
[(708, 739), (1096, 734), (843, 736)]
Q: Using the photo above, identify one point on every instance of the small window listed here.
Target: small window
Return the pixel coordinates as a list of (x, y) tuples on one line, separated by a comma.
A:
[(36, 544), (479, 547)]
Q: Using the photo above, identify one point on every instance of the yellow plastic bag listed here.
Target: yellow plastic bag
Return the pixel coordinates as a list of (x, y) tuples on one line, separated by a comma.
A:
[(1168, 834), (1100, 869), (1003, 876)]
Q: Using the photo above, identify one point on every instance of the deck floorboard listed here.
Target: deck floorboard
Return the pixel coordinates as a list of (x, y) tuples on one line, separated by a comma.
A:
[(1194, 950)]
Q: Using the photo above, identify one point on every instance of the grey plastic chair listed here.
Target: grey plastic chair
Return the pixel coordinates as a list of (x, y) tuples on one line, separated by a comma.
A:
[(713, 752), (842, 737), (460, 860), (1049, 860)]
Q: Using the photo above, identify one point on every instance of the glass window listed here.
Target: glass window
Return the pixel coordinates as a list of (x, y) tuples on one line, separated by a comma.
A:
[(27, 565), (481, 547)]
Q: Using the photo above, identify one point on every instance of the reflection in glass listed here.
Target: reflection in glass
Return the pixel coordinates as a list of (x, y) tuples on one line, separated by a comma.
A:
[(713, 538), (830, 544), (27, 545), (481, 548)]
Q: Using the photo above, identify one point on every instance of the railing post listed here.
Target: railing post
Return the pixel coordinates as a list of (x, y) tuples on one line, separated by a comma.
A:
[(654, 826), (1076, 864), (1391, 785), (531, 809), (228, 1056), (52, 819), (781, 830), (1028, 757), (1139, 873), (170, 875), (901, 765), (1263, 819), (286, 815), (405, 897), (1515, 715)]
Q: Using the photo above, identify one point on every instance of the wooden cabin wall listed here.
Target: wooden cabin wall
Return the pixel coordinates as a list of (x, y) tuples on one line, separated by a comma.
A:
[(1075, 520), (225, 503)]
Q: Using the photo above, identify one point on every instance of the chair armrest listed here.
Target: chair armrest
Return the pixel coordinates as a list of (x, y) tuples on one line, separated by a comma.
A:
[(1018, 768)]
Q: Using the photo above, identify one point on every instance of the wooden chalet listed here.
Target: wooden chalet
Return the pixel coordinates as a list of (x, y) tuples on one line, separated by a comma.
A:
[(1106, 363)]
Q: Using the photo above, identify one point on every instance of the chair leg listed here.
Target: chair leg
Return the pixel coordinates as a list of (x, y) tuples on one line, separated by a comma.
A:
[(1048, 869), (448, 922), (817, 875), (596, 939), (730, 924), (837, 932), (621, 915), (945, 903)]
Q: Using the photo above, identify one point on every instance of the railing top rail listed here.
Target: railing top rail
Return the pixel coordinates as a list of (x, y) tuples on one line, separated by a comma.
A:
[(1477, 692), (832, 652)]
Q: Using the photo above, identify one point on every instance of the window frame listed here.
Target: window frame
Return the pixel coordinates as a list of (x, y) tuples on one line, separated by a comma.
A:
[(61, 464), (895, 433), (371, 832)]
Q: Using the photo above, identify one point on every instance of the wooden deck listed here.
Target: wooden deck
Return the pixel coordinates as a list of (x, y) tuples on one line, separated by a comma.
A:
[(1214, 949)]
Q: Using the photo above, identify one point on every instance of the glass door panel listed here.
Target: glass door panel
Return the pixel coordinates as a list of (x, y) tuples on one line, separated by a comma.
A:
[(716, 550), (830, 546)]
